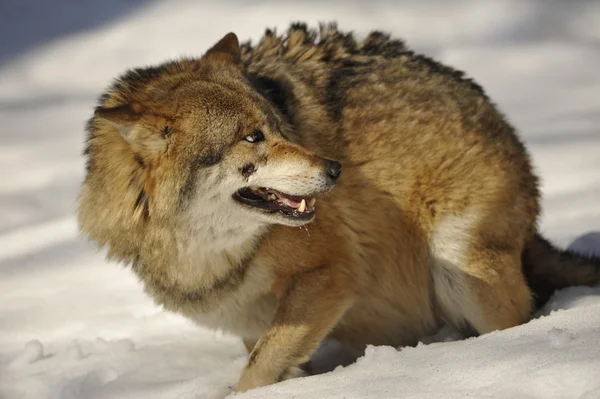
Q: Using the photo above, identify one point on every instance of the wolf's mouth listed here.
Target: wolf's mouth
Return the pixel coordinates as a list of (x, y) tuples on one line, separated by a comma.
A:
[(275, 201)]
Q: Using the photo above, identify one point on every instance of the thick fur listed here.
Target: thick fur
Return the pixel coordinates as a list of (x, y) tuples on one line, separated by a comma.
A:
[(433, 220)]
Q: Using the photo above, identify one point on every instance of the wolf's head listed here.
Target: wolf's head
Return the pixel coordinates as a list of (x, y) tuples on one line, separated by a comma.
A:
[(193, 140)]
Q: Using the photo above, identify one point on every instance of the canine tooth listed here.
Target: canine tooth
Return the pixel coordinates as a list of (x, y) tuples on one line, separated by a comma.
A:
[(254, 188), (302, 206), (312, 202), (272, 196)]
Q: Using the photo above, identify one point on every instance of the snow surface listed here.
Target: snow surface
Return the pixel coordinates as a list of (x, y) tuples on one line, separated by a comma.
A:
[(73, 326)]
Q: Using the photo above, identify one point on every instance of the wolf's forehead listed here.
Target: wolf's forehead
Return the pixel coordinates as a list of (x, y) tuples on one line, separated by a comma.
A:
[(212, 100)]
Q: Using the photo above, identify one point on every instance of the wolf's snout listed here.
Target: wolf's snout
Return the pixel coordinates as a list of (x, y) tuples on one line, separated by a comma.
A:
[(333, 169)]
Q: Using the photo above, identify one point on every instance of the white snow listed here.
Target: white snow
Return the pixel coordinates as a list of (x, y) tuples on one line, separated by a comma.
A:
[(74, 326)]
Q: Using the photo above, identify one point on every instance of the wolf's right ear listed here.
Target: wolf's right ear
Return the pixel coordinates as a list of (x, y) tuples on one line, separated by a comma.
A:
[(228, 49), (122, 117)]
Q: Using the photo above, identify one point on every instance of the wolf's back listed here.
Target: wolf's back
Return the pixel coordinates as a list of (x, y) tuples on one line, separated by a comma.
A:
[(327, 44), (548, 268)]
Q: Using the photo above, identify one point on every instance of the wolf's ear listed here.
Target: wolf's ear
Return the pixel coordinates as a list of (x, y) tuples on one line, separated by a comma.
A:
[(228, 48), (122, 117)]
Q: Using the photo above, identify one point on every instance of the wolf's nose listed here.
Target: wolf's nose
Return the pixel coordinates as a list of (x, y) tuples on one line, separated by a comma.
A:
[(334, 169)]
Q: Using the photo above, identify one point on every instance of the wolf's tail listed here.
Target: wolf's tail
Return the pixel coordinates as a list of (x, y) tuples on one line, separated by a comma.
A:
[(548, 268)]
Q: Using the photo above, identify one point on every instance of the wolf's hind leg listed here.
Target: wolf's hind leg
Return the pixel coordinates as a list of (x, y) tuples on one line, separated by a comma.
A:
[(500, 295), (477, 283)]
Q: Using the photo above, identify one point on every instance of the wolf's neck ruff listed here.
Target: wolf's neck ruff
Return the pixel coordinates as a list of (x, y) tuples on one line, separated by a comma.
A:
[(212, 260), (214, 240), (202, 297)]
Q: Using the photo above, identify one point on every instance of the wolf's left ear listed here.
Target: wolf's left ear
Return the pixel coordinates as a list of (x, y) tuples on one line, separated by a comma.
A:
[(227, 49)]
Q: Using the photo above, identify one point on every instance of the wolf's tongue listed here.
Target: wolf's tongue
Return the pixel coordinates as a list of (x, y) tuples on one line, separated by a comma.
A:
[(289, 202)]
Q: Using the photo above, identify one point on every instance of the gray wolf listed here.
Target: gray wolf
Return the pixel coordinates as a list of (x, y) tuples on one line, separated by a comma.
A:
[(317, 186)]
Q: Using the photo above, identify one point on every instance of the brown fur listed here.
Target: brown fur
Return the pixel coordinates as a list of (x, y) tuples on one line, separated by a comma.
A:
[(428, 225)]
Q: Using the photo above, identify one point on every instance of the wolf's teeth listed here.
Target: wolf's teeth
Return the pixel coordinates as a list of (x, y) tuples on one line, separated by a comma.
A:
[(312, 202), (302, 206), (254, 188), (272, 196)]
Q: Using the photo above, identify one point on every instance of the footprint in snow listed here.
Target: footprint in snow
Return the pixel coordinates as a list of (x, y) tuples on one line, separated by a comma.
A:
[(33, 351), (559, 337)]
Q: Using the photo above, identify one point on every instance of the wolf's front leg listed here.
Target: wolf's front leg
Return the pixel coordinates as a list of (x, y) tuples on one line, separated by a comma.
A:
[(312, 305)]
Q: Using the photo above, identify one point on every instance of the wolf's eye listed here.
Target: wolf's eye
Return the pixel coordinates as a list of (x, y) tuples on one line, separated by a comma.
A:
[(255, 137)]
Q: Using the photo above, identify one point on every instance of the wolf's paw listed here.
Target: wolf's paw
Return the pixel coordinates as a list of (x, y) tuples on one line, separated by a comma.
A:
[(252, 378)]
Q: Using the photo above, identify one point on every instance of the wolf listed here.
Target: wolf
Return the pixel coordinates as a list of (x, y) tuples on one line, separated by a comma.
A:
[(318, 186)]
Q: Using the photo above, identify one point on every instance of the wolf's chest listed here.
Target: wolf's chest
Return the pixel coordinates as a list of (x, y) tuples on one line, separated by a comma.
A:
[(247, 319), (245, 311)]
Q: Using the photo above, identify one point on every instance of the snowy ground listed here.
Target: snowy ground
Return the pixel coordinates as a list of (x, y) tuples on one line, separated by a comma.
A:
[(73, 326)]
